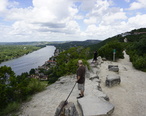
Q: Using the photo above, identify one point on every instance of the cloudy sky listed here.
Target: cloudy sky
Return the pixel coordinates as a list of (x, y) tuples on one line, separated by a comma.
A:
[(57, 20)]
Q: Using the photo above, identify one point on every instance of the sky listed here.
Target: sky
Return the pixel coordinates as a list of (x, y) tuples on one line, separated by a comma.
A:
[(68, 20)]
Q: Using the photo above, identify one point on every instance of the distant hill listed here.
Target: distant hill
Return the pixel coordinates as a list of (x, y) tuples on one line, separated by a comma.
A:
[(59, 44), (132, 36), (24, 43), (70, 44)]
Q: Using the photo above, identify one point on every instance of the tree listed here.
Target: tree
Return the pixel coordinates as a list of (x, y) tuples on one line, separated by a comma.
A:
[(5, 90), (32, 71), (107, 50)]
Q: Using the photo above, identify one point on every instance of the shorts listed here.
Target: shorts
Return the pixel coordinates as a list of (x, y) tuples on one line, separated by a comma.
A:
[(81, 87)]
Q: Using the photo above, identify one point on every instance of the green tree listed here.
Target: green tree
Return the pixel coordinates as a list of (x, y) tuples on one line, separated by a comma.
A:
[(5, 74), (67, 62), (32, 71), (107, 50)]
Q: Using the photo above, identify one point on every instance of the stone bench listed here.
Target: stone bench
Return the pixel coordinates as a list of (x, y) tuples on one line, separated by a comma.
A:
[(114, 68), (112, 80)]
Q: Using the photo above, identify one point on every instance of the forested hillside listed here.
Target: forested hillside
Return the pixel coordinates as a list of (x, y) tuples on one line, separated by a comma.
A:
[(67, 62), (67, 45), (134, 42)]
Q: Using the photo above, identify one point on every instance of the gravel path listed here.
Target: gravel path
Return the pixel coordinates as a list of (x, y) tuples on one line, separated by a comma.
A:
[(129, 97)]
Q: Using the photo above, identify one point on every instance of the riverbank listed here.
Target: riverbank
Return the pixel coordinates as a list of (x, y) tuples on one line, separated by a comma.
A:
[(29, 61), (9, 52), (128, 97)]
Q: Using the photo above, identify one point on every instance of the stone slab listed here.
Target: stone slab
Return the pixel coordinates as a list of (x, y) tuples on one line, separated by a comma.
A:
[(112, 80), (109, 66), (113, 68), (94, 106)]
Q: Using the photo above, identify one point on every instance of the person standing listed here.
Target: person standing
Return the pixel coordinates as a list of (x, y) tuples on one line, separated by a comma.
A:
[(81, 78), (95, 56)]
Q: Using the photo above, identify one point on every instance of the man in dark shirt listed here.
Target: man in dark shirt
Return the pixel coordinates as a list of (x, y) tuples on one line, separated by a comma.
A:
[(81, 78)]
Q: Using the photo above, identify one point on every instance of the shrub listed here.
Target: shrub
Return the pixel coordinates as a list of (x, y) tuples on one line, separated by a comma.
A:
[(140, 63), (107, 50), (15, 89), (12, 107), (35, 86)]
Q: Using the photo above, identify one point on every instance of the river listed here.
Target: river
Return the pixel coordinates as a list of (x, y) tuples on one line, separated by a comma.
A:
[(31, 60)]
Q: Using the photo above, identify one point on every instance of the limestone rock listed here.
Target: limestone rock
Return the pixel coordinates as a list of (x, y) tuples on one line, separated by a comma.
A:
[(66, 109), (95, 106), (87, 75), (113, 68), (94, 77), (99, 94), (104, 59), (100, 60), (109, 66), (112, 80), (70, 110)]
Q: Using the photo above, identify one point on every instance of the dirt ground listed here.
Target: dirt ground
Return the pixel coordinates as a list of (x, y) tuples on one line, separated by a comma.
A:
[(129, 98)]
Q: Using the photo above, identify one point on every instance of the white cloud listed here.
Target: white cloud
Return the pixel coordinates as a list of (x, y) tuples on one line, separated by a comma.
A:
[(105, 31), (139, 4), (44, 16), (62, 19), (112, 18), (3, 5), (103, 14), (59, 8), (87, 5), (137, 21), (91, 20)]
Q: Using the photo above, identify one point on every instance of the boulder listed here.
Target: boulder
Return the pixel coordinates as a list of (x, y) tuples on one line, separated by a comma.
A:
[(104, 59), (112, 80), (94, 77), (113, 68), (93, 64), (99, 87), (87, 75), (100, 60), (95, 106), (66, 109), (99, 94), (109, 66)]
